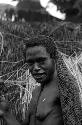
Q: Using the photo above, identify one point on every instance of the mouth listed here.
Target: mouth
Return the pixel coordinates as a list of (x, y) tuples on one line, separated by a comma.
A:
[(39, 76)]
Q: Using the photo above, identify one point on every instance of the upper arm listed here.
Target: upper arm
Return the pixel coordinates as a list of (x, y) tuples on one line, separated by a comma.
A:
[(27, 119), (31, 108), (29, 112)]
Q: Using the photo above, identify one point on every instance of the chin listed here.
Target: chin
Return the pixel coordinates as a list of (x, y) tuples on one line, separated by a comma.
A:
[(42, 82)]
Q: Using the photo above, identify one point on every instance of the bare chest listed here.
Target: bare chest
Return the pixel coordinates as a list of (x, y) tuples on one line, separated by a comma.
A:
[(48, 101)]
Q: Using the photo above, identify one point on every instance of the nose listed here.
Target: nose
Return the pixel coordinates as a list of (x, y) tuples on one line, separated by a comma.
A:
[(36, 67)]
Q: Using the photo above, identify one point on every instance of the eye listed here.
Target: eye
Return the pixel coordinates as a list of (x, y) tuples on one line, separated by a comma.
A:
[(30, 62), (41, 60)]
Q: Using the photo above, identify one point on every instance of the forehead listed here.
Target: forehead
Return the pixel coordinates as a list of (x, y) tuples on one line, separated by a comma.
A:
[(36, 51)]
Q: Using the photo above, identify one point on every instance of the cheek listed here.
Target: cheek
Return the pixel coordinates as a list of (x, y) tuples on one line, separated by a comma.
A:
[(44, 67), (51, 68)]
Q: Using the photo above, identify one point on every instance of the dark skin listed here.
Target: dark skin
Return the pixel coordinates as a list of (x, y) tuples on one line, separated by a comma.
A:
[(43, 69), (40, 64)]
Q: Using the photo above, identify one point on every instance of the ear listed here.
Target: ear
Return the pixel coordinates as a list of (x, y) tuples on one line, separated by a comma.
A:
[(54, 63)]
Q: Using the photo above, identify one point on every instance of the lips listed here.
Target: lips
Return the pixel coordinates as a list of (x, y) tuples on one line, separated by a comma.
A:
[(39, 75)]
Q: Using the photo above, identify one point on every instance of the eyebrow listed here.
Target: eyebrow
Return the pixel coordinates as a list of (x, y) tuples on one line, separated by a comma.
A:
[(36, 59)]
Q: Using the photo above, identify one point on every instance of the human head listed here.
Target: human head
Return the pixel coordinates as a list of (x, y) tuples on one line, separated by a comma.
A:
[(40, 56), (45, 41)]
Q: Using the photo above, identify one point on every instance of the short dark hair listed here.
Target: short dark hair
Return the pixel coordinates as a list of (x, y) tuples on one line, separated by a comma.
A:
[(44, 41)]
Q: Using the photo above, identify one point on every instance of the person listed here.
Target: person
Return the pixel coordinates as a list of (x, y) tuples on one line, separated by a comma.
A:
[(45, 107)]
